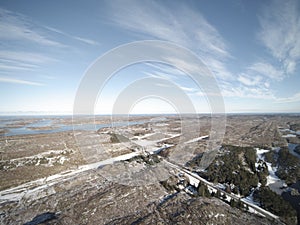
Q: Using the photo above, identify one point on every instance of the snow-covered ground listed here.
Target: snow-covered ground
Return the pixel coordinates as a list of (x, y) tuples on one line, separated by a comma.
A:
[(151, 146), (197, 139), (292, 147), (272, 178), (290, 131), (289, 135), (220, 186), (273, 181), (41, 186), (260, 152), (250, 199), (38, 187)]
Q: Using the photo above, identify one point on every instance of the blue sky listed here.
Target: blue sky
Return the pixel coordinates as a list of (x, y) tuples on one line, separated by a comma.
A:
[(252, 48)]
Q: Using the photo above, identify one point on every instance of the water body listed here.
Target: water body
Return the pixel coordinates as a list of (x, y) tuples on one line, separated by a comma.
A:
[(294, 200), (50, 125), (291, 147)]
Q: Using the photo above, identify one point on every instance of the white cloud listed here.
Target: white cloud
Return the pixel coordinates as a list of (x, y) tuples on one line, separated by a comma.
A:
[(293, 98), (19, 81), (81, 39), (188, 89), (28, 57), (267, 70), (246, 92), (7, 67), (182, 25), (162, 85), (218, 68), (87, 41), (16, 27), (165, 71), (280, 32), (22, 61), (249, 80), (160, 75)]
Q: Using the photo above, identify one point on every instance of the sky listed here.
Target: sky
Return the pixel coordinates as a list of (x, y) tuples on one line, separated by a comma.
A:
[(252, 48)]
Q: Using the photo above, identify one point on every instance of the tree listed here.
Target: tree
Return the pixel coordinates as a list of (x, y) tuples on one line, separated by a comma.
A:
[(203, 190), (233, 203), (218, 194)]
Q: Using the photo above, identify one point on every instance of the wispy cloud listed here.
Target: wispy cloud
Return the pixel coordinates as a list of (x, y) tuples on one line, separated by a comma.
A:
[(249, 80), (188, 89), (280, 32), (19, 81), (293, 98), (87, 41), (243, 91), (218, 68), (28, 57), (81, 39), (267, 70), (16, 27), (155, 20), (24, 61)]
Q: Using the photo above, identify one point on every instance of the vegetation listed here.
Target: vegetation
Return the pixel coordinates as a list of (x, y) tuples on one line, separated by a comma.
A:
[(236, 165), (117, 138), (170, 184), (262, 172), (195, 161), (203, 190), (271, 157), (288, 166), (274, 203), (149, 159), (297, 149), (295, 126)]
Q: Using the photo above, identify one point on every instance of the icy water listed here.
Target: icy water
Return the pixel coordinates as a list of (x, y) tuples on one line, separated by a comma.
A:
[(51, 125), (291, 150), (294, 200)]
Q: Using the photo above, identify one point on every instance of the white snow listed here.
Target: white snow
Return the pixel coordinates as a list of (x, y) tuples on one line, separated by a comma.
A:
[(36, 188), (196, 139), (62, 160), (161, 124), (43, 154), (228, 198), (219, 214), (249, 199), (272, 178), (144, 143), (220, 186), (193, 181), (257, 210), (289, 135), (260, 153)]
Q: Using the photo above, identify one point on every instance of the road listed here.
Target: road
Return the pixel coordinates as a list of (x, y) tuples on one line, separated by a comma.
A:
[(33, 187), (194, 176)]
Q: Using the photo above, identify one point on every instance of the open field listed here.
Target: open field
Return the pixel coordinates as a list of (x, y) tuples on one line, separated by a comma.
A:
[(78, 174)]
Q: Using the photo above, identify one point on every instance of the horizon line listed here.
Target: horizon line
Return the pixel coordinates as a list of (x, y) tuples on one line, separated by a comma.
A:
[(132, 114)]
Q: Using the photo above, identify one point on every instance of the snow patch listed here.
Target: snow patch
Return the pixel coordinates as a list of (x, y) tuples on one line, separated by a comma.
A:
[(196, 139), (260, 153), (272, 178), (289, 135)]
